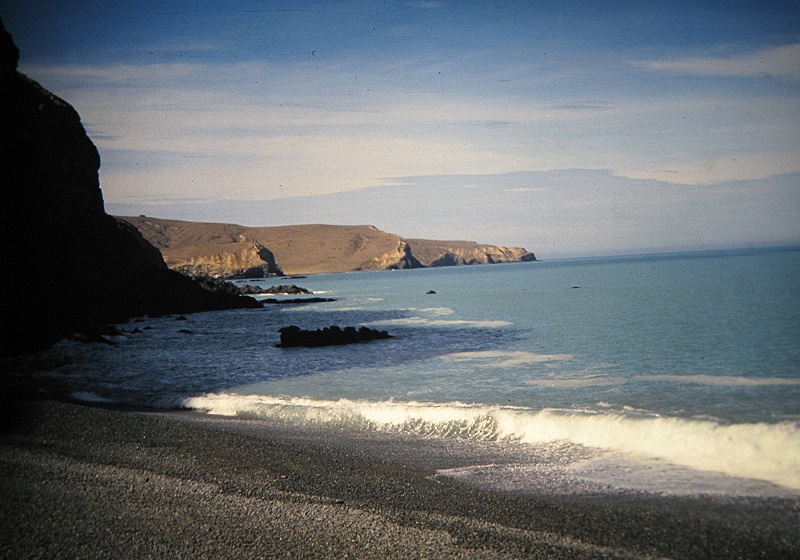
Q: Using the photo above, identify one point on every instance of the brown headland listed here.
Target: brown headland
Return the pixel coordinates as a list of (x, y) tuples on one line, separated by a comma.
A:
[(230, 250)]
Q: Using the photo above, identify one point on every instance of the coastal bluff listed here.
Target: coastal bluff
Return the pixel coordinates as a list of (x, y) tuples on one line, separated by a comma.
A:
[(231, 251), (75, 268)]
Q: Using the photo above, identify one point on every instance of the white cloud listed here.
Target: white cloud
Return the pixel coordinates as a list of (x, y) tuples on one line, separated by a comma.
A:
[(776, 62), (264, 168), (573, 212)]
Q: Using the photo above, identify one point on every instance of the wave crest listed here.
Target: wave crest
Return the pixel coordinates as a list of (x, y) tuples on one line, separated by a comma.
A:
[(762, 451)]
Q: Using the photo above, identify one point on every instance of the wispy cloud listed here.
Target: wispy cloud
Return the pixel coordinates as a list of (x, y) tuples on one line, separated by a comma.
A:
[(552, 213), (718, 168), (337, 111), (180, 46), (262, 130), (775, 62)]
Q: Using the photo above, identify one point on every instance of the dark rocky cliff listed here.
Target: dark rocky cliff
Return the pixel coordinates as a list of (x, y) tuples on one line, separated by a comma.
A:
[(69, 267)]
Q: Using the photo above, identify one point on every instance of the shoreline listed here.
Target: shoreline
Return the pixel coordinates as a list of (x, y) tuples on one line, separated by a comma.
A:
[(85, 480)]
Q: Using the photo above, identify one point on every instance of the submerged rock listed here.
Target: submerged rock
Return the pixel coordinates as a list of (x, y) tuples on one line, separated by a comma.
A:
[(330, 336), (274, 301)]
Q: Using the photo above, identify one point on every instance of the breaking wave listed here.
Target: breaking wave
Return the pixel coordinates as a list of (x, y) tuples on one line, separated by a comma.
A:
[(435, 317), (765, 451)]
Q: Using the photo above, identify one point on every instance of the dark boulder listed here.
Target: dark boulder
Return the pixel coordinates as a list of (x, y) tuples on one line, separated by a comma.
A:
[(286, 289), (294, 336), (282, 289), (275, 301), (218, 285)]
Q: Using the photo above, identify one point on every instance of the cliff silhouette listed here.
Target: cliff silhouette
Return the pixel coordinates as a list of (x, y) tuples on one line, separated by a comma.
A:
[(70, 267)]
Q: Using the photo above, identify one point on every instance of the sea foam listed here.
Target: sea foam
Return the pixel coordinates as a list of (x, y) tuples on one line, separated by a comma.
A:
[(434, 317), (764, 451)]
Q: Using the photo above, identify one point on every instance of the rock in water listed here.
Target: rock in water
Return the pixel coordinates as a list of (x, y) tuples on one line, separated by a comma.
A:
[(282, 289), (330, 336), (296, 301)]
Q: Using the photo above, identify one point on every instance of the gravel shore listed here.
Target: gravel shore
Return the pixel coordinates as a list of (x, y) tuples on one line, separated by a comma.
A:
[(92, 482)]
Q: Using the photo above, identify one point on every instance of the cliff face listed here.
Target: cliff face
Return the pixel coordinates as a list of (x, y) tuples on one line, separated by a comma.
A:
[(248, 259), (314, 249), (454, 253), (229, 250), (215, 250), (79, 267), (197, 249)]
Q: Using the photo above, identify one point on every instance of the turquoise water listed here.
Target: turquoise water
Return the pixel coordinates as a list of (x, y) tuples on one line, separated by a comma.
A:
[(690, 360), (698, 336)]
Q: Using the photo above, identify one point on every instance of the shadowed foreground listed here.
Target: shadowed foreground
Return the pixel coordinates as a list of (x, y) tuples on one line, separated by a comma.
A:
[(89, 482)]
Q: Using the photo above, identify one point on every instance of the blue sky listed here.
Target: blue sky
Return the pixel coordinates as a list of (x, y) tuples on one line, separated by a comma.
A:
[(566, 127)]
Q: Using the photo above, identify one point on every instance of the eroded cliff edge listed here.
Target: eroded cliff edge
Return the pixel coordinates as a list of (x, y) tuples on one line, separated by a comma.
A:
[(229, 250), (74, 267)]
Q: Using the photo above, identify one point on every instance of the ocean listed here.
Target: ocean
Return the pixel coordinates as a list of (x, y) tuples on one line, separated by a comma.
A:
[(673, 374)]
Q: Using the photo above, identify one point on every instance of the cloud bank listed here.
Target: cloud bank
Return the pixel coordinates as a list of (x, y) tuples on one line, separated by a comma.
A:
[(548, 125), (553, 213), (774, 62)]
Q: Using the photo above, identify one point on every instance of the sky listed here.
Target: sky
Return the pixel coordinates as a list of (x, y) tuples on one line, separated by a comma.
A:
[(567, 127)]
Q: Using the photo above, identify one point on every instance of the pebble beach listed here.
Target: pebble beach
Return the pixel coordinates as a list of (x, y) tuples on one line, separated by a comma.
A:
[(84, 481)]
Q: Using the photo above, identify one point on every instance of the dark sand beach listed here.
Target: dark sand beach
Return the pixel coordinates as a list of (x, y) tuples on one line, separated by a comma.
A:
[(84, 481)]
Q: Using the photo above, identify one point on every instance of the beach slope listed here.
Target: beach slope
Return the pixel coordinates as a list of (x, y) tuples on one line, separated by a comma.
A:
[(91, 482)]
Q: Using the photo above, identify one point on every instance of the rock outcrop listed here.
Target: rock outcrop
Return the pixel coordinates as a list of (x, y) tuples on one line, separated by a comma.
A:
[(231, 260), (455, 253), (296, 301), (290, 289), (214, 250), (57, 236), (294, 336), (197, 249), (400, 258)]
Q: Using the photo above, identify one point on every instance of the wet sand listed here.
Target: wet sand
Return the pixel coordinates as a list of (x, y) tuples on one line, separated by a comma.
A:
[(84, 481)]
